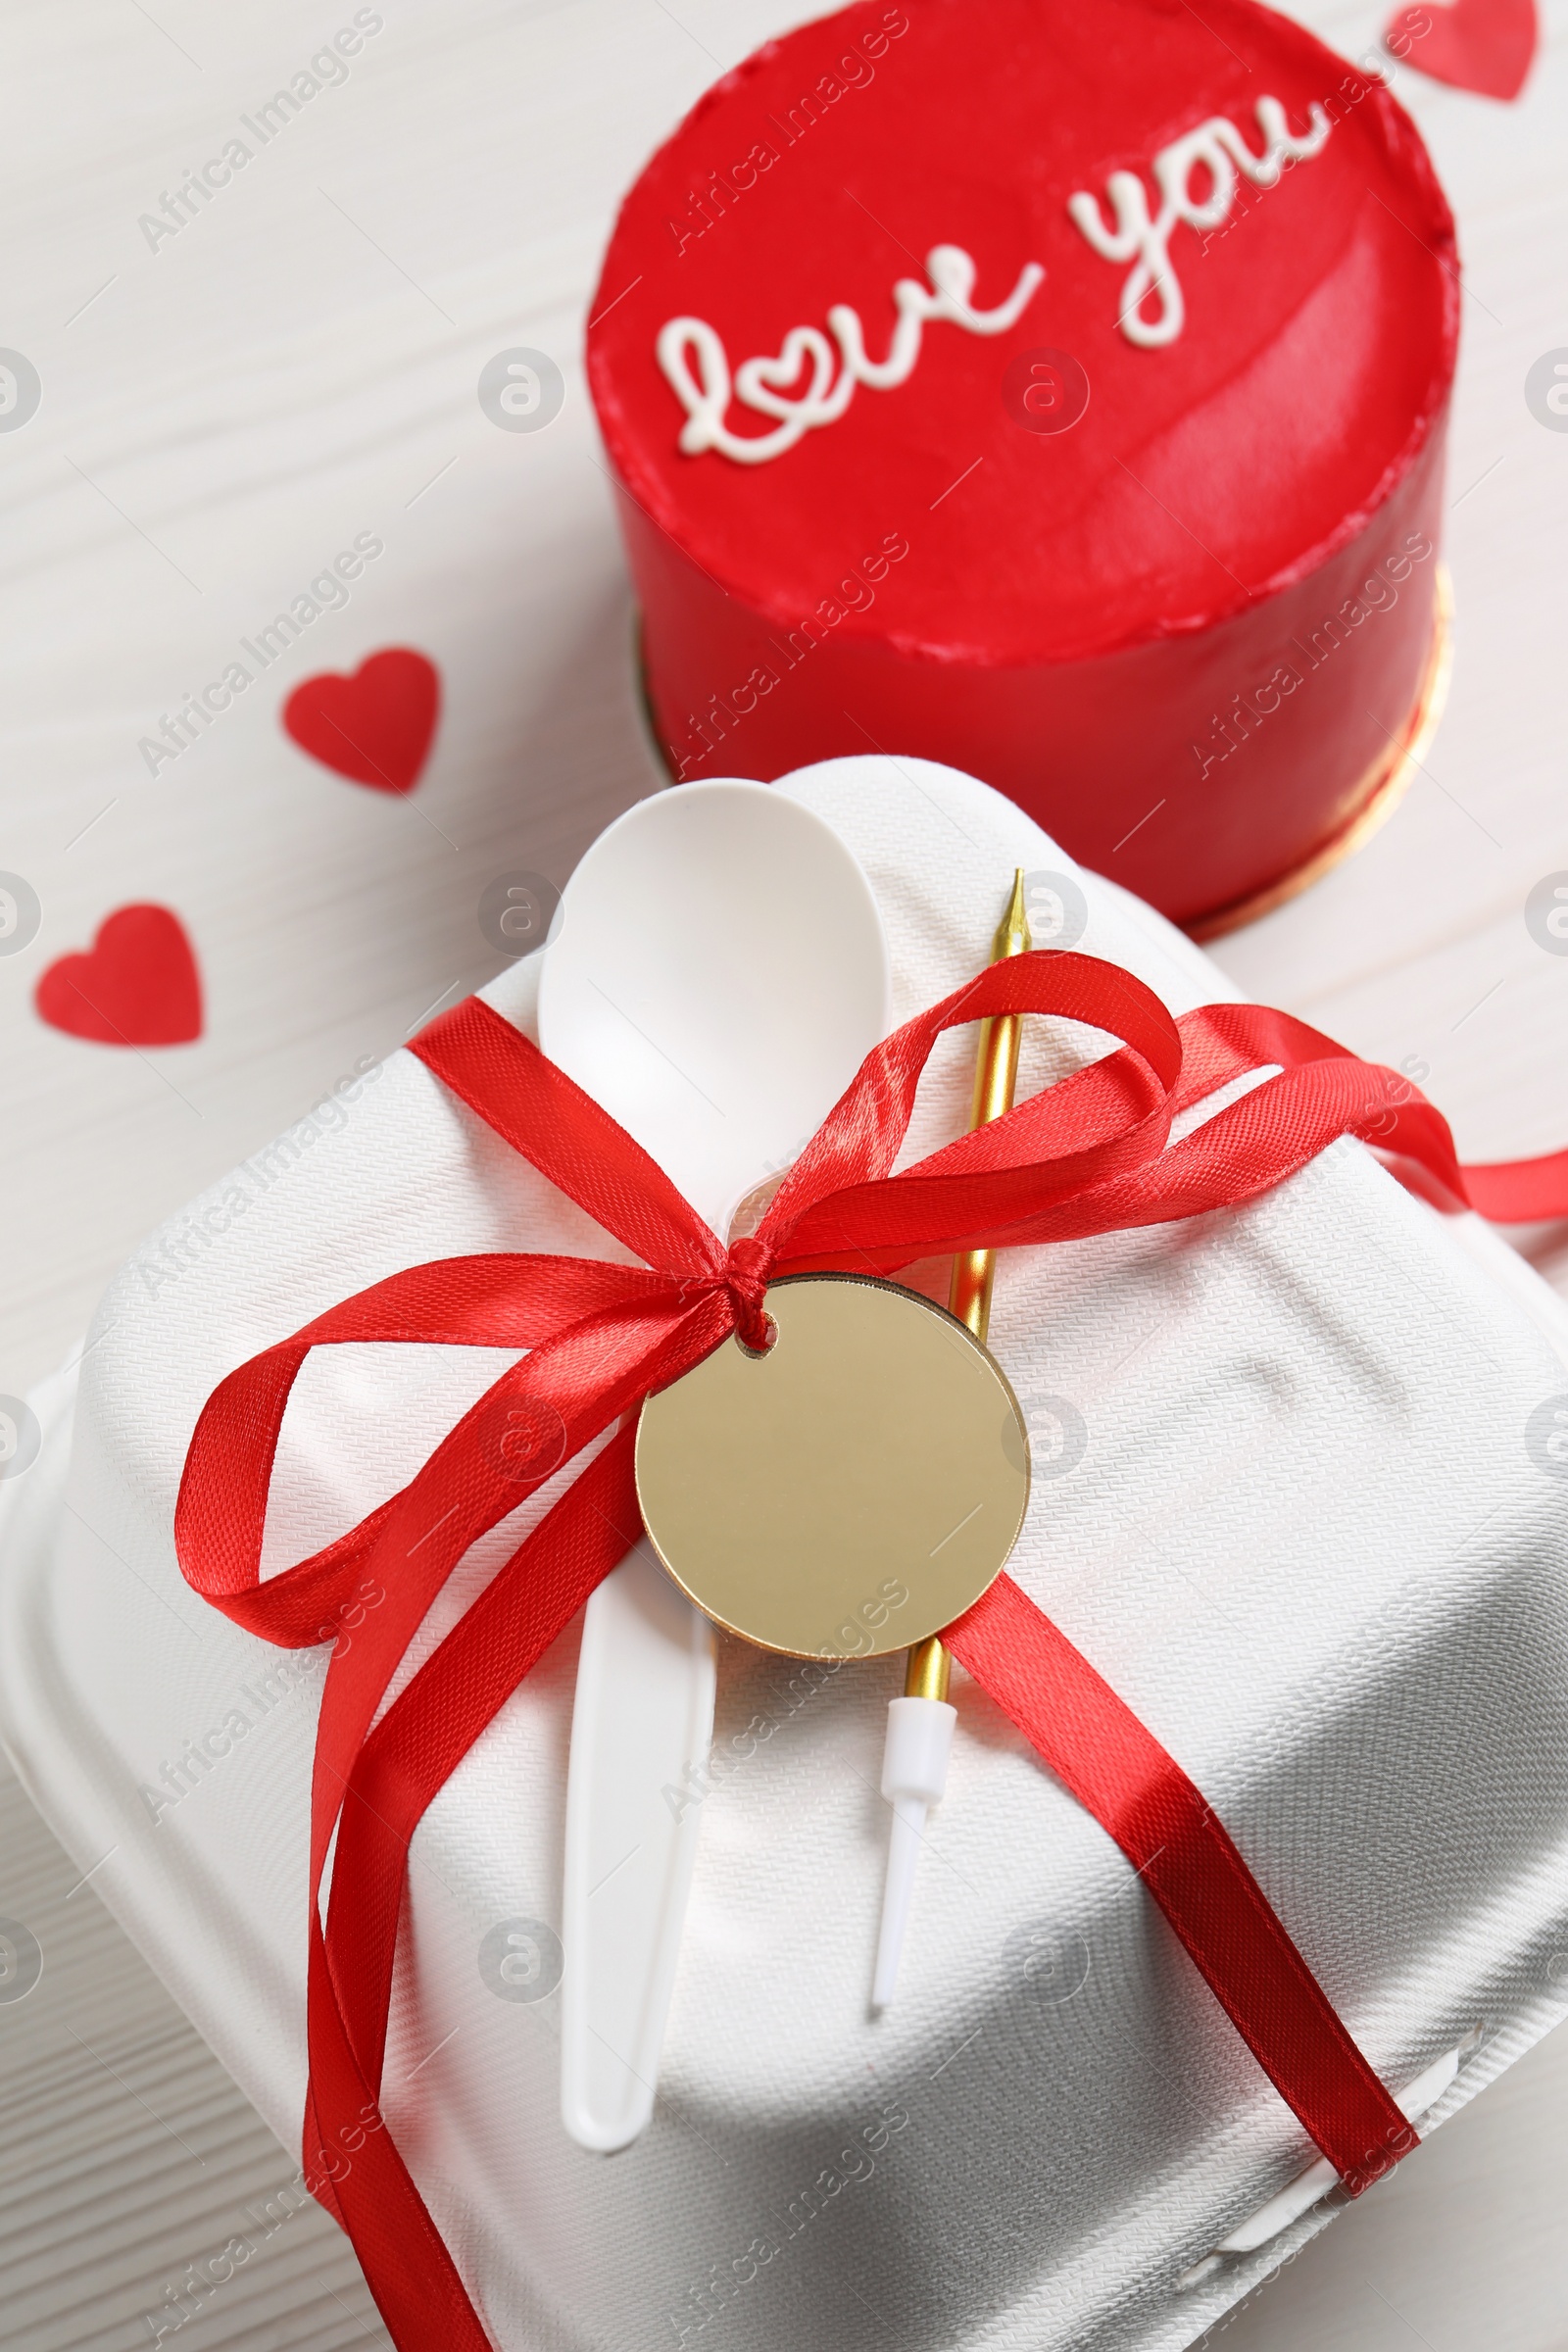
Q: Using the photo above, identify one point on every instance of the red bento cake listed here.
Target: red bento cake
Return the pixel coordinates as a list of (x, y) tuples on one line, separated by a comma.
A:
[(1055, 391)]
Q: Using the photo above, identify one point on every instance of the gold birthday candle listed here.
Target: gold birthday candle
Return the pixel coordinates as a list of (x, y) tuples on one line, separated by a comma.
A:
[(995, 1074), (920, 1724)]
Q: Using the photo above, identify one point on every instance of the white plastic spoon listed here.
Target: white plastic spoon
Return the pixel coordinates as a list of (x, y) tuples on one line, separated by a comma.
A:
[(720, 974)]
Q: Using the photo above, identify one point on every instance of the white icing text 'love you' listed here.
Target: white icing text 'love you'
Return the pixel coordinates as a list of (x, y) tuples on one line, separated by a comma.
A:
[(829, 366)]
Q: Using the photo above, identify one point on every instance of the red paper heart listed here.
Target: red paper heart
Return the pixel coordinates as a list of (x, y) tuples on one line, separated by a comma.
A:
[(1483, 45), (136, 984), (374, 726)]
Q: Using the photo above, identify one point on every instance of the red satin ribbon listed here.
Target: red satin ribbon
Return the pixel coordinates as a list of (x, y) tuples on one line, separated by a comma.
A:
[(1089, 1155)]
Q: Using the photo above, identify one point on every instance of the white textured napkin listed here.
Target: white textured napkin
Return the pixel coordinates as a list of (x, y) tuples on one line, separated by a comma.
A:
[(1283, 1500)]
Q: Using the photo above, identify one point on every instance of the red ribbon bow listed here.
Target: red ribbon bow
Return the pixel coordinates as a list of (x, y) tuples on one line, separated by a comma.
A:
[(1089, 1155)]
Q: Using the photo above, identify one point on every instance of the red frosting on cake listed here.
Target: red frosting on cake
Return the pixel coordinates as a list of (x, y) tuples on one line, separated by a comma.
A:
[(1204, 609)]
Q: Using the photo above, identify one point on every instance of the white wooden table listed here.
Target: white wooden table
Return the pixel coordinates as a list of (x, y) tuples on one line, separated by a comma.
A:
[(223, 410)]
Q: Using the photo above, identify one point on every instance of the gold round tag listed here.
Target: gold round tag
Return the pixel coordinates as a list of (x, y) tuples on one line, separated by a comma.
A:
[(849, 1493)]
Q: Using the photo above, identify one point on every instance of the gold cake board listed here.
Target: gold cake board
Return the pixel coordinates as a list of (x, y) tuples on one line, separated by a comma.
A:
[(1381, 789)]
